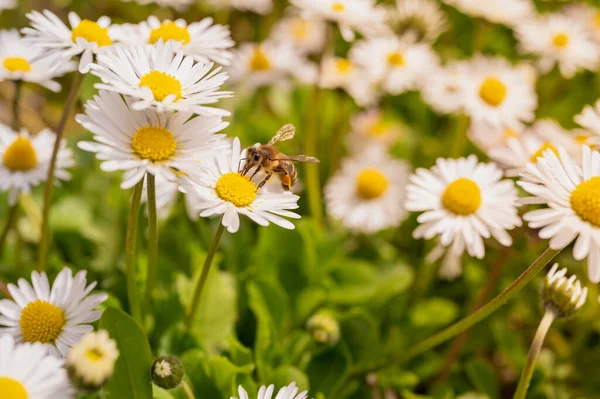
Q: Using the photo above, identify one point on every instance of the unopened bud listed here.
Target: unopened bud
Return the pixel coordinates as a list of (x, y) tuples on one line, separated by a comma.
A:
[(167, 372), (561, 295), (324, 328)]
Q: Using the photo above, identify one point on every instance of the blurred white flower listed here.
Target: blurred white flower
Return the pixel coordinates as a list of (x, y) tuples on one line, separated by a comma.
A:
[(306, 35), (589, 119), (91, 361), (288, 392), (257, 6), (371, 129), (424, 19), (587, 16), (179, 5), (507, 12), (443, 88), (341, 73), (7, 4)]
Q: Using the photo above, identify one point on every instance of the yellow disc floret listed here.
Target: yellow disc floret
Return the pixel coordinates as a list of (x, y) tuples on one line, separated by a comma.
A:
[(585, 201), (378, 129), (343, 65), (462, 197), (92, 32), (560, 40), (395, 59), (154, 143), (259, 60), (170, 31), (300, 28), (237, 189), (94, 354), (12, 389), (42, 322), (540, 152), (338, 7), (371, 184), (16, 64), (492, 91), (20, 155), (162, 85)]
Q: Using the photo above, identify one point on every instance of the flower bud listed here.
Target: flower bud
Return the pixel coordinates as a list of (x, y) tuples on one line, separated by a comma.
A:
[(91, 361), (167, 372), (324, 328), (561, 295)]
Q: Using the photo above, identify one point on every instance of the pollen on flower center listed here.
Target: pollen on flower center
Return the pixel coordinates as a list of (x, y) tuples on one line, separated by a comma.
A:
[(92, 32), (41, 321), (371, 184), (378, 128), (492, 91), (170, 31), (338, 7), (300, 28), (161, 84), (540, 152), (12, 389), (259, 61), (560, 40), (154, 143), (20, 155), (462, 197), (16, 64), (395, 59), (585, 201), (237, 189), (94, 354)]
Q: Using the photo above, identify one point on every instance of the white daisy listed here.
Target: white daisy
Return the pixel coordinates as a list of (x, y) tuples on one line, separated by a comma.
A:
[(218, 189), (589, 119), (24, 160), (257, 6), (397, 63), (179, 5), (27, 371), (463, 201), (201, 40), (559, 40), (306, 35), (91, 361), (587, 15), (341, 73), (16, 62), (140, 142), (443, 89), (288, 392), (497, 93), (507, 12), (489, 138), (55, 317), (7, 4), (372, 129), (368, 192), (362, 16), (49, 34), (422, 18), (158, 77)]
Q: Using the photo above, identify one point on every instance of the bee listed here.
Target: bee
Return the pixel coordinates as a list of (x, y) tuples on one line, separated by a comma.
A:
[(267, 157)]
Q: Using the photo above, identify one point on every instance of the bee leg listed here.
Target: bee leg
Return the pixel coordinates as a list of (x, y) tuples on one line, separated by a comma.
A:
[(265, 180), (258, 168)]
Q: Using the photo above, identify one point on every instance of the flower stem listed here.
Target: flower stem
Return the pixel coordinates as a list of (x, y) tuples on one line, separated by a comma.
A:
[(44, 234), (313, 183), (10, 221), (205, 270), (130, 246), (534, 351), (187, 390), (152, 238), (16, 123)]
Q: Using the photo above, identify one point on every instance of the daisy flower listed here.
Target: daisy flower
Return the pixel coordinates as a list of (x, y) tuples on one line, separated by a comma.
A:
[(158, 77), (497, 93), (423, 19), (288, 392), (179, 5), (54, 317), (341, 73), (559, 40), (201, 40), (362, 16), (443, 89), (489, 138), (257, 6), (16, 62), (86, 38), (371, 129), (463, 201), (27, 371), (24, 160), (306, 35), (140, 142), (368, 192), (91, 361), (398, 64), (507, 12), (589, 119), (219, 189), (7, 4), (587, 15)]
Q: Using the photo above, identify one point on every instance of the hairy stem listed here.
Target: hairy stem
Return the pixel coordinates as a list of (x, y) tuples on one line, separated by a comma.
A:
[(130, 247)]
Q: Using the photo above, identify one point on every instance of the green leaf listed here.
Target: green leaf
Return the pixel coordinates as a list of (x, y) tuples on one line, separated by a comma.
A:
[(132, 375), (286, 374), (483, 377), (434, 312)]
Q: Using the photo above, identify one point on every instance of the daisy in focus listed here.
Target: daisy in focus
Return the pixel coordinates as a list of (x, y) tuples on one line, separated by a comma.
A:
[(367, 194), (24, 161), (287, 392), (202, 39), (16, 62), (507, 12), (463, 201), (219, 189), (306, 35), (443, 89), (257, 6), (558, 39), (371, 129), (422, 19), (57, 316), (140, 142), (27, 371), (54, 39), (91, 361), (160, 78), (569, 189)]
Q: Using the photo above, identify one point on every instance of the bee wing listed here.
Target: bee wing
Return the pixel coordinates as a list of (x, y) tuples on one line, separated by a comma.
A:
[(301, 158), (285, 133)]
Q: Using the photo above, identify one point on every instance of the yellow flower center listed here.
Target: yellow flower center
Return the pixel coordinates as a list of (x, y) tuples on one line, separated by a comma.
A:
[(378, 128), (12, 389), (94, 354), (300, 28), (154, 143), (20, 155), (237, 189), (462, 197), (597, 19), (41, 322), (492, 91), (509, 134), (371, 184), (170, 31), (162, 85), (16, 64), (338, 7), (395, 59), (343, 65), (259, 61), (540, 152), (560, 40), (585, 201), (92, 32)]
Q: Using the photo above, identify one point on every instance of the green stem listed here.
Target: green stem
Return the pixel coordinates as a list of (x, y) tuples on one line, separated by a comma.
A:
[(204, 275), (152, 238), (534, 351), (187, 390), (313, 183), (16, 123), (44, 234), (130, 246), (10, 221)]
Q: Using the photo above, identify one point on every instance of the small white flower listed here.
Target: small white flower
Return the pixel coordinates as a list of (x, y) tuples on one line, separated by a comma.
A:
[(54, 39), (423, 19), (306, 35), (55, 317), (24, 160), (589, 119), (587, 16), (219, 189), (92, 360), (140, 142), (341, 73), (507, 12), (371, 129), (27, 371), (288, 392), (443, 88), (179, 5), (7, 4), (257, 6)]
